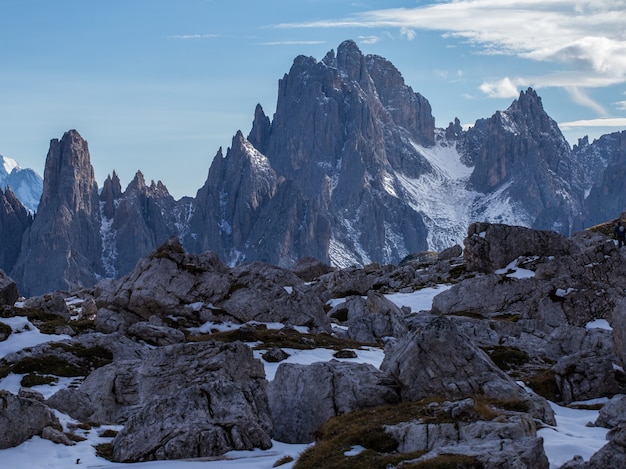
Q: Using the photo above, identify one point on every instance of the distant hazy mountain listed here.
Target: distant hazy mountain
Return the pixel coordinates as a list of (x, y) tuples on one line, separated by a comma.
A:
[(350, 170), (25, 183)]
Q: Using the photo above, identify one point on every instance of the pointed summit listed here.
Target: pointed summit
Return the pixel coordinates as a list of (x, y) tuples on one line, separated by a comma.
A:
[(65, 235)]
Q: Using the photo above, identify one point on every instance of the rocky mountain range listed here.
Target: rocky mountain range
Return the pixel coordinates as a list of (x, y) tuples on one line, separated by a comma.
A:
[(23, 182), (350, 170), (171, 361)]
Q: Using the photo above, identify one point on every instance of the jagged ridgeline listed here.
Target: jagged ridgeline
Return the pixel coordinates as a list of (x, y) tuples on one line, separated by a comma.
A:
[(351, 170)]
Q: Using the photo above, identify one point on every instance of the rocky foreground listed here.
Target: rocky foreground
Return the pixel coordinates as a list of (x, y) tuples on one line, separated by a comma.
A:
[(148, 352)]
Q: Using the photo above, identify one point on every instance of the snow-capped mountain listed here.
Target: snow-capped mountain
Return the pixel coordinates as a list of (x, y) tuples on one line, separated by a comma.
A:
[(350, 170), (25, 183)]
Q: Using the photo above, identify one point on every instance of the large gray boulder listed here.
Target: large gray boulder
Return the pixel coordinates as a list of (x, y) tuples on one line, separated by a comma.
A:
[(303, 397), (585, 375), (612, 413), (492, 246), (22, 418), (370, 320), (198, 288), (210, 394), (438, 359), (618, 324), (8, 290), (508, 441), (198, 421)]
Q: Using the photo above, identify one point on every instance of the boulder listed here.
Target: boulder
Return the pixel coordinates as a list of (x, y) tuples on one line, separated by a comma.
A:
[(195, 288), (22, 418), (156, 334), (309, 268), (618, 323), (492, 246), (370, 320), (585, 375), (438, 359), (507, 441), (613, 454), (303, 397), (8, 290), (195, 422), (209, 394), (612, 413)]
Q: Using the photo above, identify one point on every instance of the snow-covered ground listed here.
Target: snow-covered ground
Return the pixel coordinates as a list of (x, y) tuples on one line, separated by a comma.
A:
[(569, 437)]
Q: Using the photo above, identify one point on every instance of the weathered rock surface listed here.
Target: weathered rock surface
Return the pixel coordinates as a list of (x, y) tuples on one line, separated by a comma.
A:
[(440, 360), (222, 405), (491, 246), (370, 320), (8, 290), (22, 418), (612, 413), (303, 397), (509, 441), (199, 288), (65, 235)]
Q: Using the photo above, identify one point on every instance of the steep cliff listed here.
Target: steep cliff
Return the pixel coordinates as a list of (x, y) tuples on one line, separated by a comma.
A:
[(64, 237)]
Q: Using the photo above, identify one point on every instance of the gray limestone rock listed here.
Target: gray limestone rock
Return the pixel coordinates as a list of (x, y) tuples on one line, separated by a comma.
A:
[(612, 413), (585, 375), (438, 359), (491, 246), (8, 290), (509, 441), (303, 397), (156, 335), (22, 418)]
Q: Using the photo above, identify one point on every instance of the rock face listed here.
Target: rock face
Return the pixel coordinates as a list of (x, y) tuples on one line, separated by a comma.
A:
[(439, 360), (351, 170), (65, 235), (179, 401), (199, 288), (21, 418), (524, 148), (303, 397), (14, 221), (8, 290)]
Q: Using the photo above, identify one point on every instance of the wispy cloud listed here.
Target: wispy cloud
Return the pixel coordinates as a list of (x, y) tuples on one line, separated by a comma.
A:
[(619, 122), (584, 36), (194, 36), (290, 43)]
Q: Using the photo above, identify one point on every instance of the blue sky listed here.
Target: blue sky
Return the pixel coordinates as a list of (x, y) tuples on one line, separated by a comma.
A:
[(160, 85)]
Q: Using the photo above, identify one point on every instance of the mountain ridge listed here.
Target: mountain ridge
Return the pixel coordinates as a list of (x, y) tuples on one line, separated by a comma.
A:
[(350, 170)]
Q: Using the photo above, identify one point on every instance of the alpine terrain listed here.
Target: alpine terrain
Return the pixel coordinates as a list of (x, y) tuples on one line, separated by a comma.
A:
[(350, 170)]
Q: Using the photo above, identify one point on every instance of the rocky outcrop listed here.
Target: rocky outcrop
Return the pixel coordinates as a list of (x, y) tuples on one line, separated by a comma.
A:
[(178, 401), (440, 360), (523, 152), (22, 418), (199, 288), (8, 290), (14, 221), (303, 397), (606, 191), (490, 246), (371, 320), (65, 235), (507, 441)]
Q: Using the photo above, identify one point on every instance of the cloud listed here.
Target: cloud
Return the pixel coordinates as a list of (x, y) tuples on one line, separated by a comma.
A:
[(505, 88), (290, 43), (619, 122), (585, 36), (580, 97), (368, 39), (194, 36)]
